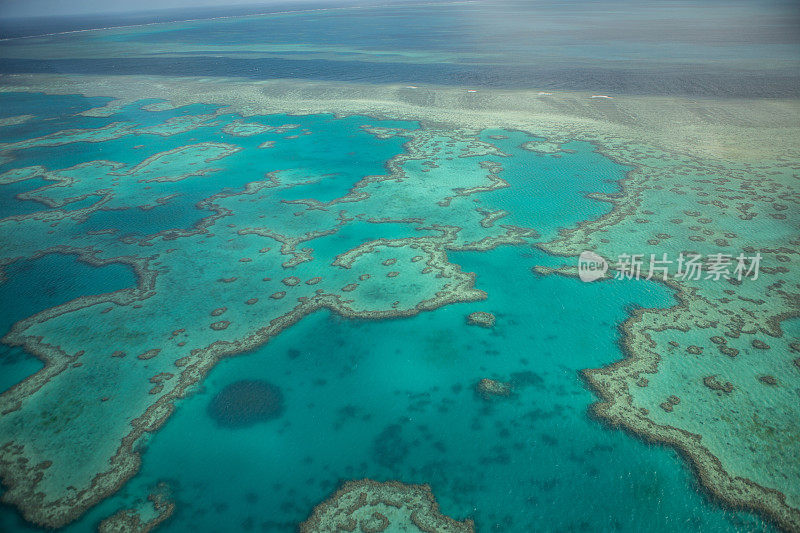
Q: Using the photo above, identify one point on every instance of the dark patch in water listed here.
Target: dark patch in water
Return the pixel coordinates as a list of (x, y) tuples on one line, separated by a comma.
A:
[(522, 379), (244, 403), (733, 83), (389, 449), (549, 440)]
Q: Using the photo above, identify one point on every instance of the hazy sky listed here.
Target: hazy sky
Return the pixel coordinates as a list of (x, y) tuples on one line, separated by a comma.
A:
[(28, 8)]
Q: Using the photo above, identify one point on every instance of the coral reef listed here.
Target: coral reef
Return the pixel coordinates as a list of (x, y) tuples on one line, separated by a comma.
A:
[(727, 188), (489, 388), (481, 318), (369, 506), (158, 508), (718, 326), (226, 253)]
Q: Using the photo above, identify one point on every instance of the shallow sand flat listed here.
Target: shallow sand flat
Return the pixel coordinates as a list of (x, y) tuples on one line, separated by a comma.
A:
[(702, 127)]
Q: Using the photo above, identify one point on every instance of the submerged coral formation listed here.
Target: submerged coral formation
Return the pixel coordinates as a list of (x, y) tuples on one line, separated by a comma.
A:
[(158, 507), (244, 403), (489, 388), (371, 507), (481, 318)]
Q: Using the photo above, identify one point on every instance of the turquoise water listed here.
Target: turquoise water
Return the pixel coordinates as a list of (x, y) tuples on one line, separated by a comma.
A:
[(389, 399), (38, 284), (10, 205), (545, 191), (394, 399)]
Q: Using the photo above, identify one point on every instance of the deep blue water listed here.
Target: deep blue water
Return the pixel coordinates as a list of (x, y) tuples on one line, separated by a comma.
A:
[(683, 80), (721, 49)]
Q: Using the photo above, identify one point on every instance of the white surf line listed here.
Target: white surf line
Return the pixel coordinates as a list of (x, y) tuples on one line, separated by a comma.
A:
[(290, 12), (601, 96)]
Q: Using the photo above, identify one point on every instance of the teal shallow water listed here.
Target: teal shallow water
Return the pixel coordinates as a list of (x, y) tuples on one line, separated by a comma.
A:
[(394, 400), (36, 285), (389, 399), (10, 205), (545, 190)]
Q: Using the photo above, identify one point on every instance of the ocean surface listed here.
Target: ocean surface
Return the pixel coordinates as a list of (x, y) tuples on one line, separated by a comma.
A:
[(389, 399), (718, 49)]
